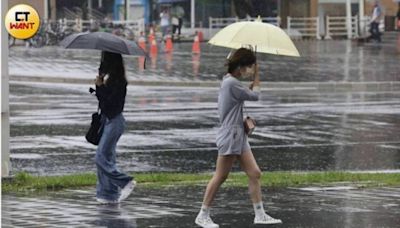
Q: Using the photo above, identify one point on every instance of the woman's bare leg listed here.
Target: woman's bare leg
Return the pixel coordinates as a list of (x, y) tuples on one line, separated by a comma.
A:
[(224, 166), (250, 167)]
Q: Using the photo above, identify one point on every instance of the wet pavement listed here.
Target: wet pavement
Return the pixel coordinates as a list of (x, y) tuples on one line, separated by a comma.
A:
[(329, 207), (173, 128), (321, 61)]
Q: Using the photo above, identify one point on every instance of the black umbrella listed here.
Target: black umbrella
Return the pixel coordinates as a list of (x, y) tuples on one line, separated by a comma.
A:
[(102, 41)]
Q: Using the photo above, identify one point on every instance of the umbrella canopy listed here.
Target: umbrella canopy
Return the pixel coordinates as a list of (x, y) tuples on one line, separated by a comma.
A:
[(264, 37), (102, 41)]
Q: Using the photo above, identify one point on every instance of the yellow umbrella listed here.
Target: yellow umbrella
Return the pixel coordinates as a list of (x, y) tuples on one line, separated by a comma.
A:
[(263, 37)]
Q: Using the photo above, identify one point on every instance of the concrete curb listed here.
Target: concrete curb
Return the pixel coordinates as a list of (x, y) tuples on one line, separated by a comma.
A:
[(318, 86)]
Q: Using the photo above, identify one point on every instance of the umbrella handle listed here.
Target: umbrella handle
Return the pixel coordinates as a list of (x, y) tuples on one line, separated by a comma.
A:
[(255, 55), (255, 52)]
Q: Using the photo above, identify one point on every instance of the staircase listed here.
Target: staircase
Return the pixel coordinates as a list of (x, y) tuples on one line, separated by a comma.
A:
[(97, 15), (68, 14)]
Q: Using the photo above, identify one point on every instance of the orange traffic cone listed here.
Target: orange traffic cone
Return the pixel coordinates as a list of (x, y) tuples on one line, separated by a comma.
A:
[(196, 45), (151, 35), (142, 41), (153, 48), (151, 38), (201, 36), (168, 44)]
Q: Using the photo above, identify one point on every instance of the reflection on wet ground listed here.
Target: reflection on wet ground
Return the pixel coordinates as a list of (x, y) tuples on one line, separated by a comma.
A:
[(321, 61), (173, 129), (330, 207)]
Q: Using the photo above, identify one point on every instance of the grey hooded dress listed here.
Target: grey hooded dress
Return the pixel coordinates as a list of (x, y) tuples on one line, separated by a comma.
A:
[(231, 138)]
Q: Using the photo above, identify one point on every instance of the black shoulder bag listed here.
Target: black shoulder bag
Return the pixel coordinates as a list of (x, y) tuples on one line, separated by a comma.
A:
[(96, 128)]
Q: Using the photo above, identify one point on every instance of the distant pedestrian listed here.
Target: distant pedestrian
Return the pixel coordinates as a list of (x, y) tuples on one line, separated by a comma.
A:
[(232, 141), (113, 186), (177, 19), (164, 22), (375, 21)]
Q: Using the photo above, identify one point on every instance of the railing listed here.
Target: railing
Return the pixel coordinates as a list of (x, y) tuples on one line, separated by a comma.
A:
[(272, 20), (308, 26), (221, 22), (303, 26), (337, 26), (78, 25), (137, 25), (217, 23)]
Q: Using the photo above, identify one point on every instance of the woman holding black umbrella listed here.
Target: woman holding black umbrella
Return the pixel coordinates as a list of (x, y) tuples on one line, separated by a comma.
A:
[(113, 186)]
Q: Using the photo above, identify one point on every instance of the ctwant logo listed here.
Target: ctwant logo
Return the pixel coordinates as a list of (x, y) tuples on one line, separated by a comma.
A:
[(22, 21)]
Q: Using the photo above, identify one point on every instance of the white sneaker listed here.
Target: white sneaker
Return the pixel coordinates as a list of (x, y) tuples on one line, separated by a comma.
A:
[(127, 190), (205, 222), (266, 219), (104, 201)]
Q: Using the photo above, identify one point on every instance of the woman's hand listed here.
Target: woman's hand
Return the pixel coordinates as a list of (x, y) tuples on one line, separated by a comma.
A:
[(99, 81), (256, 81), (251, 86)]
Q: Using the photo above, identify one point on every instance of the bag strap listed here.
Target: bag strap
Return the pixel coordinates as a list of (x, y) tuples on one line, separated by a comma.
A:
[(244, 109)]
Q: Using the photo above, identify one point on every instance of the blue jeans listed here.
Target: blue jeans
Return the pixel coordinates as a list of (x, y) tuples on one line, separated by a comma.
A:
[(375, 33), (109, 179)]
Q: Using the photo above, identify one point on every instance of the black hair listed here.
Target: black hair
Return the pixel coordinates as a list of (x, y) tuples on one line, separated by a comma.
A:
[(241, 58), (113, 65)]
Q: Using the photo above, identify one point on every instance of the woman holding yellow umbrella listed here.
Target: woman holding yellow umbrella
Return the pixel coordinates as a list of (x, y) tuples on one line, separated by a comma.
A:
[(232, 140)]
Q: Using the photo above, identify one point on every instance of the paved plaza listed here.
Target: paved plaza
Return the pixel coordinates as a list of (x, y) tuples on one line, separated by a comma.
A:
[(330, 207), (336, 108)]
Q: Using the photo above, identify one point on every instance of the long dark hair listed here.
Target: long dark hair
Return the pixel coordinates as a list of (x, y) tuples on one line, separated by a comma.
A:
[(241, 58), (113, 65)]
